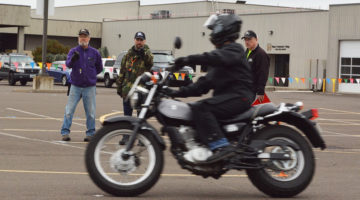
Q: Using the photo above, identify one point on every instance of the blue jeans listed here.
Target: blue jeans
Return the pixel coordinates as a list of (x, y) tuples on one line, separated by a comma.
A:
[(88, 95)]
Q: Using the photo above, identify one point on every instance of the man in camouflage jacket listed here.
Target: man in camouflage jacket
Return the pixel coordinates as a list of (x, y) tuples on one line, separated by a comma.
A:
[(138, 60)]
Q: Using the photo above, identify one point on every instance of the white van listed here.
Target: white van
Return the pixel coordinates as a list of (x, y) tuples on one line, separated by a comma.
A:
[(107, 74)]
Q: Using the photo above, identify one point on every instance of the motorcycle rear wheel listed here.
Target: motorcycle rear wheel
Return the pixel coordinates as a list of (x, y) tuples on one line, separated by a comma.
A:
[(284, 178), (115, 175)]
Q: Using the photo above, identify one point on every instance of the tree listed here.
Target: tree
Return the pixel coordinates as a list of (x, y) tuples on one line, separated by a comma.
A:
[(53, 48), (104, 52)]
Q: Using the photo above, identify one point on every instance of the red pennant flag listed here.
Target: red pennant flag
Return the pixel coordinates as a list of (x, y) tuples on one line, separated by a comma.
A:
[(339, 80), (111, 69), (351, 80), (277, 79), (16, 64), (303, 80), (64, 67), (266, 100), (48, 65), (183, 76)]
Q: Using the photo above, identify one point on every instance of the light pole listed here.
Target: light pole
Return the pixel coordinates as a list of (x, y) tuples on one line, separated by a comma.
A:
[(44, 41)]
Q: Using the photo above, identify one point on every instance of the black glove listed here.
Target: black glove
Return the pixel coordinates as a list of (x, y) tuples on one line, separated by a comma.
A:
[(181, 62), (172, 93), (75, 57)]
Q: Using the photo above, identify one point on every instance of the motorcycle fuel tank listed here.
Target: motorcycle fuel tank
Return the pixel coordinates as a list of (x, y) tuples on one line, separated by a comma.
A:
[(176, 110)]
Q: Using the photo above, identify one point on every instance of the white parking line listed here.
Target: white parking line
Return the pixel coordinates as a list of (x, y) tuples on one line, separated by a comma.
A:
[(85, 173), (43, 116), (38, 130), (337, 121), (61, 143), (341, 111), (341, 134)]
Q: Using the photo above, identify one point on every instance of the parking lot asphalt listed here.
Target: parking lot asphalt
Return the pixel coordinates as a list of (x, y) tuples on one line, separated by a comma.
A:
[(35, 164)]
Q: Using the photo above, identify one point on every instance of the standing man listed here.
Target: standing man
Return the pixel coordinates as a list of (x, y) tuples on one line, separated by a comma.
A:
[(259, 62), (85, 62), (138, 60)]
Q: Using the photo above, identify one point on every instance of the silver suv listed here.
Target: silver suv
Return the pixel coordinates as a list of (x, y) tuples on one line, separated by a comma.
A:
[(18, 67)]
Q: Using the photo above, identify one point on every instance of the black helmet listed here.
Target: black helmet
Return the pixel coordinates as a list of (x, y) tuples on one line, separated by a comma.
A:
[(225, 27)]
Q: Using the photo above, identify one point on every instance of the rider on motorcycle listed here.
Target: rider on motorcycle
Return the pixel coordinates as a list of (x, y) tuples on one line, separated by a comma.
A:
[(229, 75)]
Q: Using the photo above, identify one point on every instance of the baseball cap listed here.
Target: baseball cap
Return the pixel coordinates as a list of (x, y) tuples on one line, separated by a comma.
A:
[(140, 35), (249, 34), (84, 31)]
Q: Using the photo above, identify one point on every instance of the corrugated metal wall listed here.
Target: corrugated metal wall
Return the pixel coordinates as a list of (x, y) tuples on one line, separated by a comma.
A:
[(344, 25), (305, 33)]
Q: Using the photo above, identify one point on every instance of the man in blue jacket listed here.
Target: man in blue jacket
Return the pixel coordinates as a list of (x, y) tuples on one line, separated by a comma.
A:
[(86, 63)]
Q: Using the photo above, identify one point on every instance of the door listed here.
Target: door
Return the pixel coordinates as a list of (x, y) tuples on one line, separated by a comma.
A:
[(349, 66), (281, 69)]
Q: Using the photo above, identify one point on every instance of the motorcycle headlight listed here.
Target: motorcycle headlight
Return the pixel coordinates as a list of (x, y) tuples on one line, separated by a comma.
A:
[(134, 99)]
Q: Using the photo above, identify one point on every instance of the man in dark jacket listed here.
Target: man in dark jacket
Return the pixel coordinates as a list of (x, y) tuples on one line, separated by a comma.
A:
[(138, 60), (86, 63), (259, 62), (229, 75)]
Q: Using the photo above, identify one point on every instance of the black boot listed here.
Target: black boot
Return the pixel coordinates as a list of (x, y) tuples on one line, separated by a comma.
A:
[(221, 154)]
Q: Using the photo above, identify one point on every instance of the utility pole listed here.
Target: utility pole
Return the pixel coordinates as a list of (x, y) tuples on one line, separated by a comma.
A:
[(43, 81), (44, 41)]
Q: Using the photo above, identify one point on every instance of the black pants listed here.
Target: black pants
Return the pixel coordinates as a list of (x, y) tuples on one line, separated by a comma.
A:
[(206, 113), (127, 108)]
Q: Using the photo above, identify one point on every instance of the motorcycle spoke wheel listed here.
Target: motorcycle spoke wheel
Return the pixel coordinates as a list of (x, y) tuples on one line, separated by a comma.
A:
[(285, 170), (114, 168)]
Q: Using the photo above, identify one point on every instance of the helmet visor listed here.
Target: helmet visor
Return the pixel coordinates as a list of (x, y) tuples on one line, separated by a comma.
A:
[(210, 22)]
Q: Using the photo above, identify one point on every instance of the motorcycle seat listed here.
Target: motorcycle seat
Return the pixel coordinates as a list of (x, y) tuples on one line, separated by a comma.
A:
[(255, 111)]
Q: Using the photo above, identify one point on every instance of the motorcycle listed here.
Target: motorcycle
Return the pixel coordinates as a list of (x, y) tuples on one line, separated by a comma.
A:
[(273, 143)]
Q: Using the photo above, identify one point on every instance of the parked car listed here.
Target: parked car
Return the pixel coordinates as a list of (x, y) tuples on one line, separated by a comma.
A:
[(107, 75), (18, 67), (163, 60), (60, 75)]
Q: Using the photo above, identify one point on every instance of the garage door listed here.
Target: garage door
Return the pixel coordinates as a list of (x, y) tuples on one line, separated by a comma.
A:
[(349, 66)]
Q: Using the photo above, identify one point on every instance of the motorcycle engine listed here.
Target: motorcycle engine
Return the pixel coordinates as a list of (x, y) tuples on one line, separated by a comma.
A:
[(196, 151)]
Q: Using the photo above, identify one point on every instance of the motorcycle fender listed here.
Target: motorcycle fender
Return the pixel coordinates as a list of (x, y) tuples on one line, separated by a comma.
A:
[(307, 126), (132, 120)]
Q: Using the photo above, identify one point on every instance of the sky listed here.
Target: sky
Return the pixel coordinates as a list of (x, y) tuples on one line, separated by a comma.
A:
[(316, 4)]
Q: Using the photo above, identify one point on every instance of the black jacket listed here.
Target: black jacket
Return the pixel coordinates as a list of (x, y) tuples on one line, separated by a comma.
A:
[(260, 64), (229, 74)]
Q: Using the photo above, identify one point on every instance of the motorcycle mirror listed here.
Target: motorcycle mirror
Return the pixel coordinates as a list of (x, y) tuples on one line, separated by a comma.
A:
[(177, 43)]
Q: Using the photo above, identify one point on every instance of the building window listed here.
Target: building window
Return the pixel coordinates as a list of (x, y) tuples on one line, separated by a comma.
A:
[(228, 11), (161, 14), (350, 69)]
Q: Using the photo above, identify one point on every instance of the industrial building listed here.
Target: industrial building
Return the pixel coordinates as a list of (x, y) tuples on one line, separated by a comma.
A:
[(306, 46)]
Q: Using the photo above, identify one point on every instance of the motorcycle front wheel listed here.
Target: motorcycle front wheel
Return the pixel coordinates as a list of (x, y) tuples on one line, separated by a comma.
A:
[(116, 175), (284, 178)]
